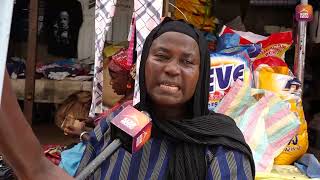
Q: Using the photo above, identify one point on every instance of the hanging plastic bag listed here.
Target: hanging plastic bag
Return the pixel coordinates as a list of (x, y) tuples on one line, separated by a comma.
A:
[(299, 144), (265, 120), (289, 90)]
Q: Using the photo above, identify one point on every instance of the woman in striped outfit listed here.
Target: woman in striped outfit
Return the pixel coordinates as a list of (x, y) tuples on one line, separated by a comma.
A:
[(188, 141)]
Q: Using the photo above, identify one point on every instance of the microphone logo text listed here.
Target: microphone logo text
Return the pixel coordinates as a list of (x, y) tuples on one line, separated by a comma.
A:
[(129, 123)]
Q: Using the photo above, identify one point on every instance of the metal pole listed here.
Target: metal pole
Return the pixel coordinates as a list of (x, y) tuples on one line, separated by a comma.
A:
[(108, 151), (165, 8), (6, 8), (300, 50)]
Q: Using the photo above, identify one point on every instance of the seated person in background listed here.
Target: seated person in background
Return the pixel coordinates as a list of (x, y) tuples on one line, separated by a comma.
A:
[(122, 79), (74, 111), (122, 82), (188, 141)]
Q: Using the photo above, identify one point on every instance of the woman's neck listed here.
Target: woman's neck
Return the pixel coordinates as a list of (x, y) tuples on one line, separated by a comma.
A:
[(170, 113), (128, 96)]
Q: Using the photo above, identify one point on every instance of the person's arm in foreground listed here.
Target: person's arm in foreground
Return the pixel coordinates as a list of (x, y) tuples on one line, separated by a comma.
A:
[(19, 145)]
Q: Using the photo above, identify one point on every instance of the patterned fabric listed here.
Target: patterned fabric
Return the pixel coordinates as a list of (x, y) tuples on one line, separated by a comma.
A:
[(121, 60), (151, 162), (53, 152), (131, 38), (147, 15), (104, 13)]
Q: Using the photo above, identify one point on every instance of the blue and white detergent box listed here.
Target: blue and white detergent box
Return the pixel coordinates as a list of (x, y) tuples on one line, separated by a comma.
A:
[(225, 69)]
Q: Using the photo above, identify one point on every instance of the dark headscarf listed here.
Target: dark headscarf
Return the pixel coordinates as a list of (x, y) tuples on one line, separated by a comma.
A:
[(191, 136), (201, 95)]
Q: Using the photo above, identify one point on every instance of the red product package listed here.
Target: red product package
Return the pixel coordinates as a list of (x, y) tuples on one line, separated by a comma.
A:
[(274, 45), (271, 64), (269, 61)]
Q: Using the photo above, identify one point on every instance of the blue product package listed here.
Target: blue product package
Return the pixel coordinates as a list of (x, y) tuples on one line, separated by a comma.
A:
[(228, 40), (252, 49)]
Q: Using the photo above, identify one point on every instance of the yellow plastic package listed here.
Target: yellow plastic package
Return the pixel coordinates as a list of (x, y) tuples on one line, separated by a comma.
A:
[(298, 144), (266, 79), (278, 83)]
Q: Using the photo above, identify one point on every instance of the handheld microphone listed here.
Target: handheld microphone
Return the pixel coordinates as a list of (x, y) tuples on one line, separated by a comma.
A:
[(130, 129)]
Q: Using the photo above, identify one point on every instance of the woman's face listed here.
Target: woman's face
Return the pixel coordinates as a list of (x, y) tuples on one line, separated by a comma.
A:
[(118, 82), (172, 69)]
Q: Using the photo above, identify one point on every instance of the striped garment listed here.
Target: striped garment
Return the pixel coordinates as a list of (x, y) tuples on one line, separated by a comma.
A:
[(152, 161)]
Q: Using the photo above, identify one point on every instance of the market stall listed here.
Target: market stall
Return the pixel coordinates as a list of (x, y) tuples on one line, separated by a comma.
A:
[(252, 67), (51, 91), (250, 79), (47, 50)]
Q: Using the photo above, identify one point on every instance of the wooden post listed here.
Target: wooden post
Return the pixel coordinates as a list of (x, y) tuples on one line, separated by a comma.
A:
[(31, 60), (165, 8)]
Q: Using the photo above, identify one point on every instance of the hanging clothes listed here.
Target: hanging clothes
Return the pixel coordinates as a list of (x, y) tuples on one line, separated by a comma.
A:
[(62, 21), (145, 22), (147, 15), (86, 34), (103, 19)]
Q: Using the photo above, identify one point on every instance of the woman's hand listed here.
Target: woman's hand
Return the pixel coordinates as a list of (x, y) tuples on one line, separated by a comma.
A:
[(76, 129), (90, 122)]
